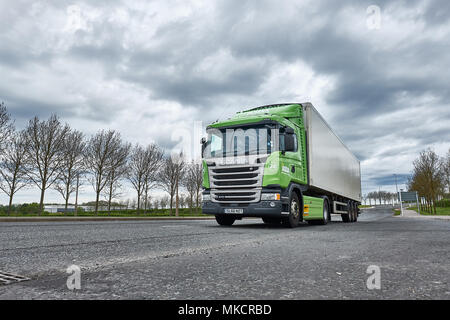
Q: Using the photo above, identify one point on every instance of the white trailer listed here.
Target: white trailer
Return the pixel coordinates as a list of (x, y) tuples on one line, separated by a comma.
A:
[(332, 167)]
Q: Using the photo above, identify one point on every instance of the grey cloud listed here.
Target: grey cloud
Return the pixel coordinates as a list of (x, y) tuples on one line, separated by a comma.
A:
[(260, 35)]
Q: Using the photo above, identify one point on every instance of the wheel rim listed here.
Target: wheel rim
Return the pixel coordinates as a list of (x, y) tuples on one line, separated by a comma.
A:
[(294, 209), (325, 212)]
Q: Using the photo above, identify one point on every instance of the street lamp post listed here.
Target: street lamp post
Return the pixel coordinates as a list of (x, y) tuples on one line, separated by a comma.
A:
[(401, 205), (396, 187)]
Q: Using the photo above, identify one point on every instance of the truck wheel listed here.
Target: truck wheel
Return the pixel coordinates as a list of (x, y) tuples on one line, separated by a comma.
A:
[(271, 220), (326, 215), (348, 216), (355, 212), (225, 220), (294, 212)]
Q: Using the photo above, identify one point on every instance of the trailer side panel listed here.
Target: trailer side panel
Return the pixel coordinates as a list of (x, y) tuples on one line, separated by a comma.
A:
[(332, 166)]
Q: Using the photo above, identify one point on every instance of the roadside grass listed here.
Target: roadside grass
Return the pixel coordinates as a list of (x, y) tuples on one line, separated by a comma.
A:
[(440, 211), (122, 213), (364, 206)]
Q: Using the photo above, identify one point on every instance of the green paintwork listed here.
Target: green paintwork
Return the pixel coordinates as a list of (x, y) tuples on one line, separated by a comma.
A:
[(205, 175), (278, 167), (315, 208)]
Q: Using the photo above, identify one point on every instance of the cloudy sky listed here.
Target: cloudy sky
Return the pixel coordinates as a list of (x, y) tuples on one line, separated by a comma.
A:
[(152, 68)]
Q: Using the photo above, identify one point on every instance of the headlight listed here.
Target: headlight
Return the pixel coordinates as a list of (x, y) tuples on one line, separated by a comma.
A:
[(270, 196), (206, 197)]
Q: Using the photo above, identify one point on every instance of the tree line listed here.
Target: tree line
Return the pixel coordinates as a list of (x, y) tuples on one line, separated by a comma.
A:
[(380, 196), (48, 154), (430, 178)]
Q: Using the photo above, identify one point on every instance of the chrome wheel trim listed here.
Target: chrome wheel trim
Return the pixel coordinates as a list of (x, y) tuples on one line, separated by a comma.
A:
[(294, 209), (325, 212)]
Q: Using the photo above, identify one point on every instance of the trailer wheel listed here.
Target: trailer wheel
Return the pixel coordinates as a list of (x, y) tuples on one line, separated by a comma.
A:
[(347, 217), (225, 220), (355, 212), (294, 212)]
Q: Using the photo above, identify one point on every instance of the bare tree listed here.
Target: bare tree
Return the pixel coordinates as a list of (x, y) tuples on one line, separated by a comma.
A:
[(446, 170), (154, 159), (45, 151), (12, 167), (116, 172), (143, 167), (78, 184), (72, 165), (193, 181), (169, 177), (136, 171), (183, 200), (99, 159), (164, 201), (6, 126), (167, 180), (156, 204), (189, 184), (197, 173), (180, 166)]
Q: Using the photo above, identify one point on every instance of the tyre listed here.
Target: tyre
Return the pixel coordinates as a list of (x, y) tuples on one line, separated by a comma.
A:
[(295, 209), (355, 217), (271, 220), (225, 220), (325, 215), (347, 217), (351, 212)]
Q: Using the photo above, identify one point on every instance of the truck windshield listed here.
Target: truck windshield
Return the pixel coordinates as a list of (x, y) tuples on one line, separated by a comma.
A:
[(242, 141)]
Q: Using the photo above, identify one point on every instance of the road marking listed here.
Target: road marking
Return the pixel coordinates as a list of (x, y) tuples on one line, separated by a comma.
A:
[(8, 278)]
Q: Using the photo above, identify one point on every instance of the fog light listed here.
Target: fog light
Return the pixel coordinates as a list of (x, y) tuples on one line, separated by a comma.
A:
[(272, 204)]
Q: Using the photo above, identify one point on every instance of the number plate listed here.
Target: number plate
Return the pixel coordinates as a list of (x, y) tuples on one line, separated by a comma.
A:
[(234, 211)]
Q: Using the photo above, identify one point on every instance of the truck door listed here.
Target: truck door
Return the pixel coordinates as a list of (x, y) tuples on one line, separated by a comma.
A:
[(293, 161)]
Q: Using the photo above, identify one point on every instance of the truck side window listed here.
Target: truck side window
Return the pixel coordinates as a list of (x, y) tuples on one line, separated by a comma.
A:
[(296, 142), (216, 144), (282, 142)]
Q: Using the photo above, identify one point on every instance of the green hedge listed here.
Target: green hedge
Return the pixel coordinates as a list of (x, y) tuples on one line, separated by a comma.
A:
[(444, 203), (33, 210)]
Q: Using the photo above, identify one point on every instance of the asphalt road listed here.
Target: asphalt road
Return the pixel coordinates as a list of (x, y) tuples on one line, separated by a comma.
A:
[(200, 260)]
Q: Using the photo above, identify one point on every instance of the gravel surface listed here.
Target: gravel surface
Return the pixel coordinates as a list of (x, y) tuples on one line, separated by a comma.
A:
[(200, 260)]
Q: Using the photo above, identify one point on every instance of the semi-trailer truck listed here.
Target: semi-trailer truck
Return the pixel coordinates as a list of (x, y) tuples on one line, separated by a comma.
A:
[(282, 163)]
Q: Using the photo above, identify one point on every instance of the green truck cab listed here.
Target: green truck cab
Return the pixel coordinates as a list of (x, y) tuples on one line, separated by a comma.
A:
[(282, 163)]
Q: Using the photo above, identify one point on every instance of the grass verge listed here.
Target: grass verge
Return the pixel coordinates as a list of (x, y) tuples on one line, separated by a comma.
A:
[(129, 213), (440, 211)]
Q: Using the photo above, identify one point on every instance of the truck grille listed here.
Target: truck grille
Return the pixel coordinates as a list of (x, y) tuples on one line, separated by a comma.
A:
[(236, 184)]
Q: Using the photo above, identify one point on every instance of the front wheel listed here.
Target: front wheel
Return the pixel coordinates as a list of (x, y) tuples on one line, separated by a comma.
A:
[(225, 220), (294, 212)]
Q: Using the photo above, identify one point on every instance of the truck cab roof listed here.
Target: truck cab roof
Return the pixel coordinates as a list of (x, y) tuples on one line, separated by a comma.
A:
[(276, 112)]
